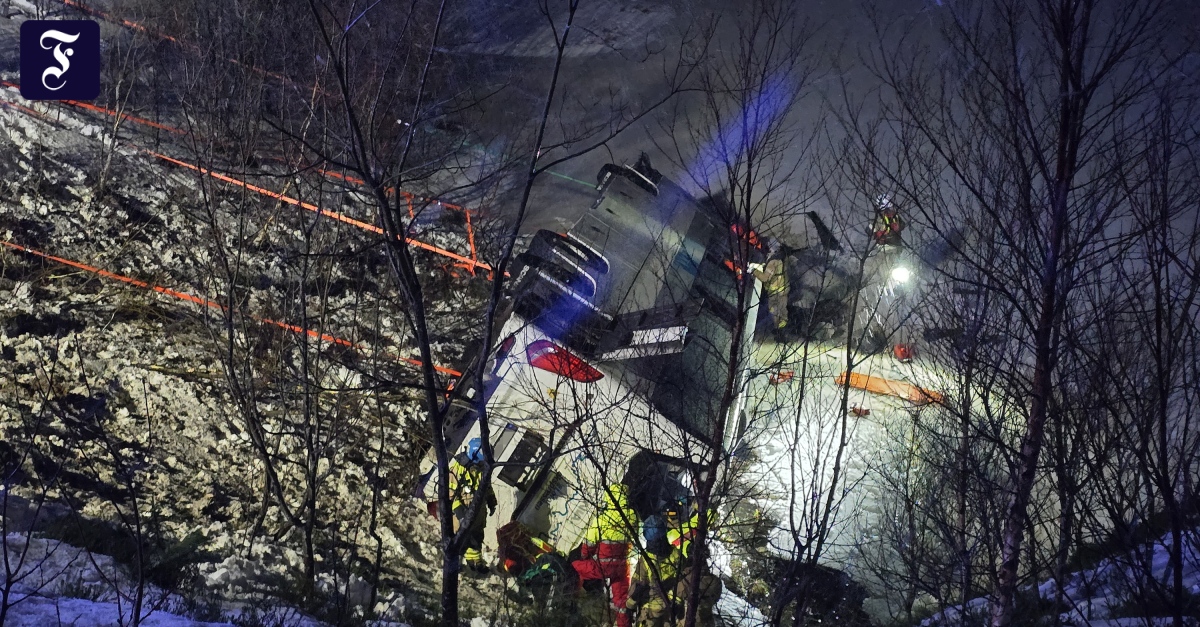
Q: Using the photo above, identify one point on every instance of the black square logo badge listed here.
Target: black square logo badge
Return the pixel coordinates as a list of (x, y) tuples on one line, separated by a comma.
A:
[(60, 59)]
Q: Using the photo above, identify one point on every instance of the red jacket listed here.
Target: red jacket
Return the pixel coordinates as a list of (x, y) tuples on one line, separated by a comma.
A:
[(605, 550)]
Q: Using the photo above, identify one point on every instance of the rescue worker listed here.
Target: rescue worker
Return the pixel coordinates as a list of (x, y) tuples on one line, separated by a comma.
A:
[(466, 473), (676, 574), (887, 224), (652, 589), (775, 287), (604, 553), (681, 535), (710, 591), (518, 547)]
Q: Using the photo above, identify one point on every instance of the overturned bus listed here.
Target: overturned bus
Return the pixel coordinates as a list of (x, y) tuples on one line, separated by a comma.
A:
[(612, 359)]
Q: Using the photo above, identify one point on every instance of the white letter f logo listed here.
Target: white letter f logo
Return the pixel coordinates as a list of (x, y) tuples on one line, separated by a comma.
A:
[(60, 55)]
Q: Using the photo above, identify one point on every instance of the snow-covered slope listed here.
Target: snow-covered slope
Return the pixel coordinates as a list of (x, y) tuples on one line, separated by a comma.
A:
[(1100, 596), (105, 369), (58, 584)]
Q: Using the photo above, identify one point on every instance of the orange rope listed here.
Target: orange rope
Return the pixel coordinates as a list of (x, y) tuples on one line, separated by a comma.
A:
[(26, 110), (357, 181), (469, 263), (108, 112), (471, 238), (126, 116), (409, 197), (116, 277), (315, 209), (108, 18), (325, 337)]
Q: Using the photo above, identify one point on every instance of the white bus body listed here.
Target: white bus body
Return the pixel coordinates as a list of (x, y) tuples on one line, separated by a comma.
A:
[(611, 355)]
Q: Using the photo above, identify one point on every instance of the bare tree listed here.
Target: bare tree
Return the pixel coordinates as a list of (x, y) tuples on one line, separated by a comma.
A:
[(1147, 349), (125, 57), (992, 143), (745, 145), (27, 469), (121, 469), (358, 133)]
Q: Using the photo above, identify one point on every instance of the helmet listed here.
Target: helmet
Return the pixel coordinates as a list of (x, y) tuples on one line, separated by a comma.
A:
[(475, 451)]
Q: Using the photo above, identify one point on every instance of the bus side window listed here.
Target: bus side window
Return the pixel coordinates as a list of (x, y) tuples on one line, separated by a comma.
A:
[(522, 464)]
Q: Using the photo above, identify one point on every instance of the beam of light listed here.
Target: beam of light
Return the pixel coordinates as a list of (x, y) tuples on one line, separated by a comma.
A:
[(736, 136)]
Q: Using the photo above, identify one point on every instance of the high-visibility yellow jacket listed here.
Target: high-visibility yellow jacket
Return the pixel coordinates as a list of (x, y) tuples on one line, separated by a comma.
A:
[(611, 530), (681, 538), (615, 521), (777, 278), (774, 278), (654, 579), (464, 484)]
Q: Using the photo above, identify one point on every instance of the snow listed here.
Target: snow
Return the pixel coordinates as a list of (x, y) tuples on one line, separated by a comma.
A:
[(61, 584), (40, 611), (735, 610), (51, 572), (795, 434), (1094, 593), (172, 402)]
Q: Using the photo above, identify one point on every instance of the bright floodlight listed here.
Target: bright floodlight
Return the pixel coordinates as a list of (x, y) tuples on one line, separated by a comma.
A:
[(901, 274)]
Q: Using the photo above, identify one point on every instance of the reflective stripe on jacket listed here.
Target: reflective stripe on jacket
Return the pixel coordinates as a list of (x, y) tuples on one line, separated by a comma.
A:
[(605, 551), (464, 483), (681, 538), (615, 522)]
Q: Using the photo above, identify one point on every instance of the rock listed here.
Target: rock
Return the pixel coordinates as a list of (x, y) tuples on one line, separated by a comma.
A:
[(219, 577)]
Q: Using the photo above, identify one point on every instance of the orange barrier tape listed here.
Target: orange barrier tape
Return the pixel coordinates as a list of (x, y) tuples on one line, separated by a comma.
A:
[(469, 263), (357, 181), (109, 112), (116, 277), (126, 116), (470, 237), (409, 198), (134, 25), (26, 110), (325, 337), (889, 387), (315, 209)]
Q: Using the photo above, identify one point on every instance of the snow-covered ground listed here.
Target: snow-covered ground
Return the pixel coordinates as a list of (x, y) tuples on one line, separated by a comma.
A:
[(42, 611), (124, 394), (59, 584), (1096, 594), (797, 433)]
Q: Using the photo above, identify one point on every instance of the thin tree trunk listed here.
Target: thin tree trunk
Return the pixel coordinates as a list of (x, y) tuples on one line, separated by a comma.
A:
[(1044, 357), (964, 467), (1017, 515)]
